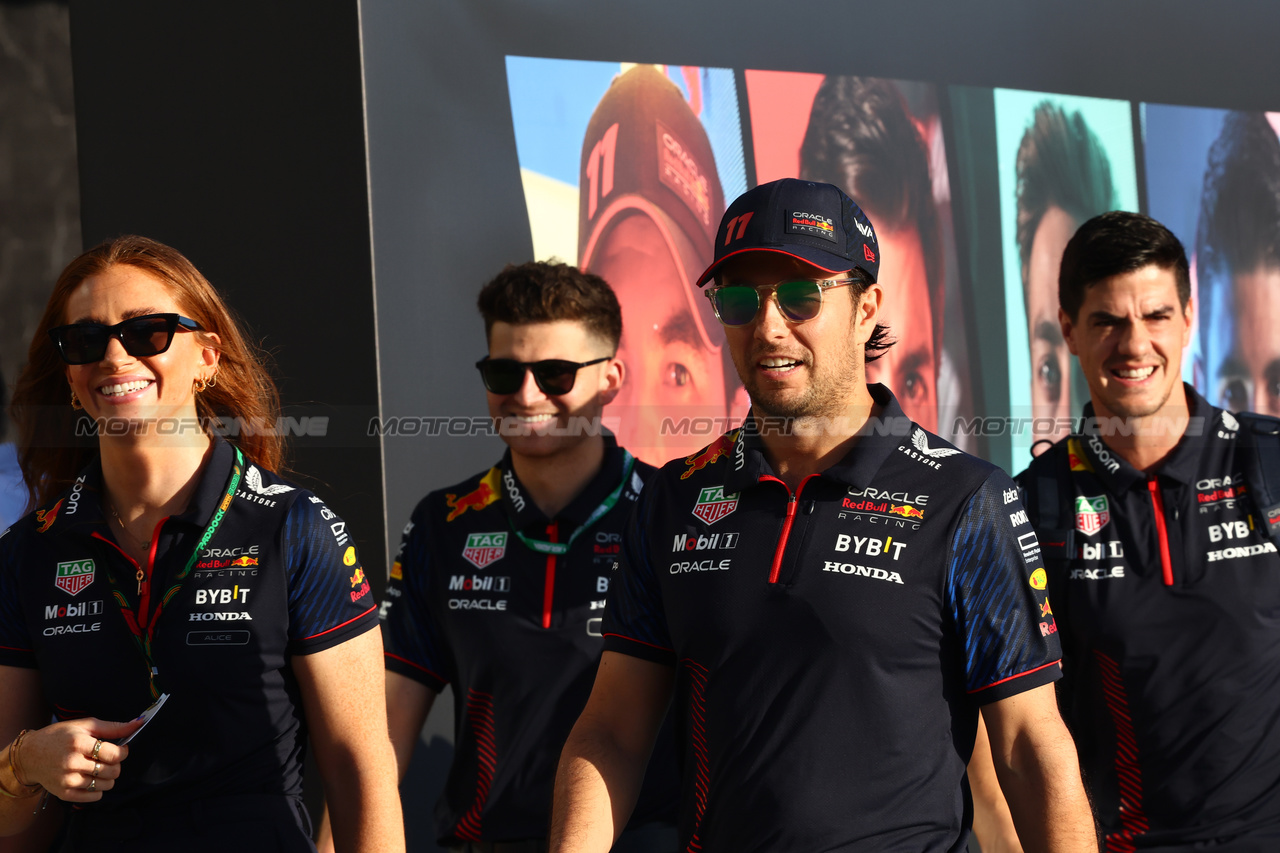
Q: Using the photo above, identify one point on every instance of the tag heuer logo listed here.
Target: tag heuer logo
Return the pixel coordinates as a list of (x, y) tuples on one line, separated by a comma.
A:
[(74, 577), (484, 548), (1092, 514), (713, 504)]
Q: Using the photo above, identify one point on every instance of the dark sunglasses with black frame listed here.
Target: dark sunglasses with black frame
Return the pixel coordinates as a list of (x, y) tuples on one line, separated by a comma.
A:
[(798, 300), (150, 334), (554, 376)]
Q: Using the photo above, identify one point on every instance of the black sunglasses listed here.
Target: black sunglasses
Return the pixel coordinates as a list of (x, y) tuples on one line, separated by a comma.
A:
[(150, 334), (798, 300), (554, 376)]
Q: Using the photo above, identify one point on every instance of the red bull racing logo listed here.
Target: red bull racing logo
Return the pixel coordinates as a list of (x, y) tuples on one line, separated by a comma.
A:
[(907, 512), (722, 446), (484, 549), (46, 517), (244, 561), (1075, 455), (359, 585), (484, 494), (713, 504)]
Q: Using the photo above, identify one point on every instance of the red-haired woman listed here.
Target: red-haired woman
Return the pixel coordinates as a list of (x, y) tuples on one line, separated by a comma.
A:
[(166, 561)]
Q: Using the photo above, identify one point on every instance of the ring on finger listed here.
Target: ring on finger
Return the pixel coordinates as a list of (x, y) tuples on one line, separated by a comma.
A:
[(97, 765), (96, 746), (92, 784)]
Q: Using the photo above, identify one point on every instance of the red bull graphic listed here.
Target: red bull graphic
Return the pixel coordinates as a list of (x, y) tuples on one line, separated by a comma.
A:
[(713, 504), (397, 571), (907, 512), (46, 517), (349, 557), (1039, 579), (722, 446), (359, 584), (75, 576), (1075, 455), (484, 494), (244, 561), (484, 549), (1045, 609)]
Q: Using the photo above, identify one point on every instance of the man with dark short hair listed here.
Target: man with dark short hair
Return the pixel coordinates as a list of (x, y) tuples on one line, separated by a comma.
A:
[(500, 581), (830, 592), (1063, 178), (1164, 581), (862, 139), (1238, 266)]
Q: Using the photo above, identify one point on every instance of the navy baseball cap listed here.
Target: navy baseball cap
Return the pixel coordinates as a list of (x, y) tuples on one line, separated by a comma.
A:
[(816, 223)]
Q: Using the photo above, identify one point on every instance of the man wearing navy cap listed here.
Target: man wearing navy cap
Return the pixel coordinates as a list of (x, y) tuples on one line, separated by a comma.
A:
[(829, 591)]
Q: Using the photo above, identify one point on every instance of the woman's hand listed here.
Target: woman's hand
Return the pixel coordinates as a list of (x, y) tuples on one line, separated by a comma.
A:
[(75, 760)]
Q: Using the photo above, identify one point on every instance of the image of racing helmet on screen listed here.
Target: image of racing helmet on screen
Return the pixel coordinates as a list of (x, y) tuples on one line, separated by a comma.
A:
[(1063, 180), (1237, 265), (649, 204), (862, 139)]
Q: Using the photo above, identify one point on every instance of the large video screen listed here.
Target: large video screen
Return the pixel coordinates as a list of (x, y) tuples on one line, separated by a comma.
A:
[(626, 169)]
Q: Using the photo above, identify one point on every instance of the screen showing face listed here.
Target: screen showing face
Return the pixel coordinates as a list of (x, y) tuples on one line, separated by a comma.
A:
[(626, 169), (1061, 161), (881, 141)]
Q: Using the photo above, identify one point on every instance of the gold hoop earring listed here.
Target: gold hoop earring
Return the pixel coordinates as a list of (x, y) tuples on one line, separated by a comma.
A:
[(213, 378), (75, 401), (200, 385)]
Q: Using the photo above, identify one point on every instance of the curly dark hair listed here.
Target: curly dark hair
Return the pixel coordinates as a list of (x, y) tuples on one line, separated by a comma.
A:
[(861, 138), (546, 291)]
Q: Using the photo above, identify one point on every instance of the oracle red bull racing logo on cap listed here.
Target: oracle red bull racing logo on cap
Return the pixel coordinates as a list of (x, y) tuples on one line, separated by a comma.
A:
[(74, 577), (484, 549), (808, 222), (1092, 514), (713, 504)]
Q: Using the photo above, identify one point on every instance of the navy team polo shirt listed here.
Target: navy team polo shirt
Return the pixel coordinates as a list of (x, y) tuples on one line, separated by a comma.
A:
[(833, 645), (1169, 602), (517, 634), (281, 577)]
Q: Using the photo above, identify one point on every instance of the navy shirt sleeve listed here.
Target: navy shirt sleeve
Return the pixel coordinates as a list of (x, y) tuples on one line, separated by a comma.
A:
[(415, 645), (997, 598), (330, 600), (634, 621), (15, 644)]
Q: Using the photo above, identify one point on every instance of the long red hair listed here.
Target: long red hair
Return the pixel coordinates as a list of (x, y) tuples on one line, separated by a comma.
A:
[(51, 452)]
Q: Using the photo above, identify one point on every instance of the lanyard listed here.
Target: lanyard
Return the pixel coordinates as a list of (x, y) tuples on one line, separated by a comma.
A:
[(562, 548), (143, 633)]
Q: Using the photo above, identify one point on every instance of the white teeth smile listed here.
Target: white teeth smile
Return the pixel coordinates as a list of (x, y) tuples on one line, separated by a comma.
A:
[(123, 388), (1136, 373), (533, 419), (778, 362)]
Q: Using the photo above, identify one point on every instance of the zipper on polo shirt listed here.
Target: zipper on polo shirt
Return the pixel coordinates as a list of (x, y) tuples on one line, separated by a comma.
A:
[(549, 584), (143, 578), (1162, 532), (793, 500)]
